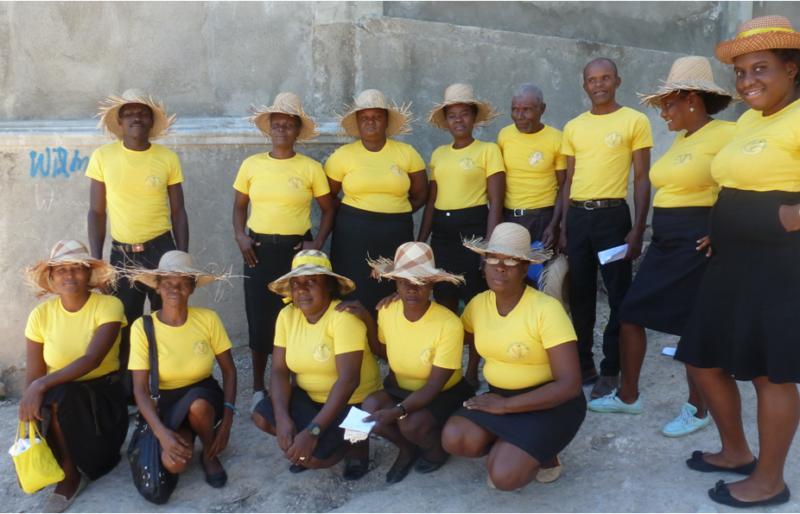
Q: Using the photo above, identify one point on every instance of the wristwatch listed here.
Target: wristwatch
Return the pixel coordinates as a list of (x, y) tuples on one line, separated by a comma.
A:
[(405, 412), (314, 429)]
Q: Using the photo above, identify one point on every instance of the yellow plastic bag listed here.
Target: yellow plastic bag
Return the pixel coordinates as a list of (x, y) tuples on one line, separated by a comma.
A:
[(36, 467)]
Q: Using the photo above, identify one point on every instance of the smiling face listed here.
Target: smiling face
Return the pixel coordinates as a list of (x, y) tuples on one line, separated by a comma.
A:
[(600, 81), (504, 279), (675, 111), (136, 120), (460, 119), (413, 295), (175, 290), (311, 294), (372, 123), (70, 278), (764, 82), (527, 113), (283, 129)]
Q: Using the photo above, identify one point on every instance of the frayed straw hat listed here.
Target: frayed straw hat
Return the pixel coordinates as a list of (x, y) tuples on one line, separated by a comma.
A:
[(555, 280), (691, 73), (400, 118), (764, 33), (286, 103), (173, 263), (509, 239), (414, 262), (70, 251), (462, 94), (109, 114), (309, 262)]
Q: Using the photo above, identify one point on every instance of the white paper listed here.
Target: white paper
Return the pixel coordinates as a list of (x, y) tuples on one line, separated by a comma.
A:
[(355, 429), (669, 350), (20, 446), (614, 254)]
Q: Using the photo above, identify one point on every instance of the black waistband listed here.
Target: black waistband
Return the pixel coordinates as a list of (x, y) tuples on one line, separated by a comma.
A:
[(766, 196), (140, 247), (591, 205), (507, 393), (681, 211), (276, 239), (372, 215), (480, 211), (518, 213)]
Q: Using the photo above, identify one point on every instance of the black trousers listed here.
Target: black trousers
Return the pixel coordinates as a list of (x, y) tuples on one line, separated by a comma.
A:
[(590, 232)]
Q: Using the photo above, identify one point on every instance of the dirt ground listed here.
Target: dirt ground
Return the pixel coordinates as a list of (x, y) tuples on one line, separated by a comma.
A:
[(617, 463)]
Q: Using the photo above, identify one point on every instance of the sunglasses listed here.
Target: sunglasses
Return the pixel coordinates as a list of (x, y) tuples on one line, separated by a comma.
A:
[(494, 261)]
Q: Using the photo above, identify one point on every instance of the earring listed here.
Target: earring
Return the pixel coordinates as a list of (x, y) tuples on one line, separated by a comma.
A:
[(691, 109)]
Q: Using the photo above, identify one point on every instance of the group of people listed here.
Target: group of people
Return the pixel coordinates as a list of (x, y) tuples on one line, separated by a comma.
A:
[(718, 273)]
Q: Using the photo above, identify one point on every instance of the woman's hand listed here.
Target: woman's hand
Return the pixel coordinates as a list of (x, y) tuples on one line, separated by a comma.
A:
[(309, 245), (286, 431), (355, 308), (387, 301), (30, 406), (384, 417), (246, 244), (490, 402), (704, 242), (302, 448), (174, 448), (221, 436)]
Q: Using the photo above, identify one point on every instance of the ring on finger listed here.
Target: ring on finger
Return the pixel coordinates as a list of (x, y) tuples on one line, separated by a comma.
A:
[(302, 458)]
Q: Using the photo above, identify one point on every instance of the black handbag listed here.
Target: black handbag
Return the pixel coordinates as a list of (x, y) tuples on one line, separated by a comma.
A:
[(150, 476)]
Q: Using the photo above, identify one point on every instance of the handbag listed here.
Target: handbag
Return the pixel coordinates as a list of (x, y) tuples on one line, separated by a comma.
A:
[(36, 466), (150, 475)]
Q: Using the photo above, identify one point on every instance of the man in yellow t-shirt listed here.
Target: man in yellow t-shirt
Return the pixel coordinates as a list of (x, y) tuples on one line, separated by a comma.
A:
[(139, 182), (600, 146), (535, 167)]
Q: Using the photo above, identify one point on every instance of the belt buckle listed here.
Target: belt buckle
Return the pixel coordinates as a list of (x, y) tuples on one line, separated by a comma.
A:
[(137, 248), (520, 213), (586, 205)]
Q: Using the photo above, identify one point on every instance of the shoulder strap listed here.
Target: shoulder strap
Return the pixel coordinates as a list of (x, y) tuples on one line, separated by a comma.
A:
[(149, 330)]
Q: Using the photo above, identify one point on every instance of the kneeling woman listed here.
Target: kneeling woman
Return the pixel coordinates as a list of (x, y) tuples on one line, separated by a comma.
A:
[(423, 343), (535, 404), (328, 352), (188, 340), (72, 385)]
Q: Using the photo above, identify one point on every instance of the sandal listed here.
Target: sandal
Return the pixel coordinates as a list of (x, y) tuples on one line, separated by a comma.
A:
[(721, 494), (698, 464), (355, 469)]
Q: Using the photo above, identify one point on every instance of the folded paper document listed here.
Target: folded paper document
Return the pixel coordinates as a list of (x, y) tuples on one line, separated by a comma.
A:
[(354, 428), (614, 254)]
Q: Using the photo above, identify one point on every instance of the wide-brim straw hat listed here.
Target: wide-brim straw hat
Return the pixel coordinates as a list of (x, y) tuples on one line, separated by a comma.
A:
[(286, 103), (70, 251), (309, 262), (400, 117), (512, 240), (414, 262), (692, 73), (554, 280), (173, 263), (109, 114), (764, 33), (462, 94)]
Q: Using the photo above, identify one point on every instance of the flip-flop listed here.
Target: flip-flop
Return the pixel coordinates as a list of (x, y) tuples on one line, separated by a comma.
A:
[(698, 464), (721, 494)]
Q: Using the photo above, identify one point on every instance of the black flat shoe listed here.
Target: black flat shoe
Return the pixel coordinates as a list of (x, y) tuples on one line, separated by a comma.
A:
[(721, 494), (355, 469), (698, 464), (397, 475), (216, 480), (297, 468), (425, 466)]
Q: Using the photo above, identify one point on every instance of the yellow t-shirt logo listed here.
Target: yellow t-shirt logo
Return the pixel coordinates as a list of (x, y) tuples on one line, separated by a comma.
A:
[(755, 146), (536, 158), (517, 351), (396, 170), (152, 182), (201, 348), (682, 159), (426, 357), (296, 183), (613, 139), (322, 352), (466, 163)]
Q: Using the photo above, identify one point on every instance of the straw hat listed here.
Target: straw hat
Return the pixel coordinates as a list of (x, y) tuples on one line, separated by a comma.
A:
[(309, 262), (462, 94), (691, 73), (70, 251), (555, 280), (512, 240), (400, 118), (764, 33), (109, 114), (286, 103), (173, 263), (414, 262)]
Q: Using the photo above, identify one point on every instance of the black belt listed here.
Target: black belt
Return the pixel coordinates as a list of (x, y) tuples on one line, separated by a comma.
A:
[(518, 213), (591, 205), (275, 239), (120, 247)]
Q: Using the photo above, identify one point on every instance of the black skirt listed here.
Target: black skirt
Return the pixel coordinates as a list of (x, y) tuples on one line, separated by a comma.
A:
[(358, 234), (665, 288), (93, 416), (444, 405), (303, 410), (174, 405), (747, 315), (542, 434), (449, 230)]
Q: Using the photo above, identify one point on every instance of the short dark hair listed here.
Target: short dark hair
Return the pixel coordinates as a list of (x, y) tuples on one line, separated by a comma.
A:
[(472, 107), (713, 102), (601, 59), (336, 288), (790, 55)]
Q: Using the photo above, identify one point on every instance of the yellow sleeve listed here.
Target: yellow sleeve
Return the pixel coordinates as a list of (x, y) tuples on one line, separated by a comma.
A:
[(566, 142), (466, 316), (140, 351), (727, 134), (415, 160), (95, 168), (242, 182), (175, 172), (642, 135), (494, 160), (280, 327), (334, 166), (349, 334), (501, 140), (112, 311), (560, 157), (555, 327), (33, 330), (219, 337), (381, 319), (319, 182), (451, 345), (432, 165)]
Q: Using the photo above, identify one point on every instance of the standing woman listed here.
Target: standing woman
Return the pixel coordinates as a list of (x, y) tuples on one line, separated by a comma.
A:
[(384, 183), (745, 322), (465, 176), (665, 288), (72, 385), (280, 184)]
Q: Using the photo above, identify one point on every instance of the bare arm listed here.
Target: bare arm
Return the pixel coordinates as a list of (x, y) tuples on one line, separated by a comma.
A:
[(328, 208), (426, 227), (223, 431), (473, 361), (551, 233), (243, 239), (562, 238), (180, 220), (417, 400), (641, 200), (335, 188), (97, 218), (418, 191), (496, 190), (280, 391)]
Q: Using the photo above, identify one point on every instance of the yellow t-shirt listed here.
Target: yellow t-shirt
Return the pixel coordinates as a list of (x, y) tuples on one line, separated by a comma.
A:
[(683, 174), (531, 164), (436, 339), (603, 148), (311, 351), (185, 354), (515, 346), (375, 181), (136, 189), (461, 175), (764, 154), (281, 191), (66, 335)]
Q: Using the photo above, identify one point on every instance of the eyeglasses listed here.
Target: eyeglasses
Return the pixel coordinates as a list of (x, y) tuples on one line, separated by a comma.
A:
[(494, 261)]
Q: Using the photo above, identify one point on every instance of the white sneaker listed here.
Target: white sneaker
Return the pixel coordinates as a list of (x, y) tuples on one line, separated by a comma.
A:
[(257, 397), (686, 423)]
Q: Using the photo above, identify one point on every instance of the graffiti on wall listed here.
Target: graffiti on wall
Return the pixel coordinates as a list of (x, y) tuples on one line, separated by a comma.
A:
[(55, 162)]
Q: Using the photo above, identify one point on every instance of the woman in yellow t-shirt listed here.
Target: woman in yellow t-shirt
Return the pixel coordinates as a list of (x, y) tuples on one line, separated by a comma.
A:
[(279, 185), (327, 351), (665, 288), (72, 388), (384, 183), (189, 340), (423, 342), (535, 404), (465, 176), (745, 321)]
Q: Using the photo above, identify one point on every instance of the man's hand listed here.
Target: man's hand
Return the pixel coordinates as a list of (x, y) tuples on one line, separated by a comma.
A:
[(634, 241)]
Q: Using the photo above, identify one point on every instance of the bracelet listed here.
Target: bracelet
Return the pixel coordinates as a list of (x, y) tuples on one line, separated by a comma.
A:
[(405, 412), (233, 407)]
